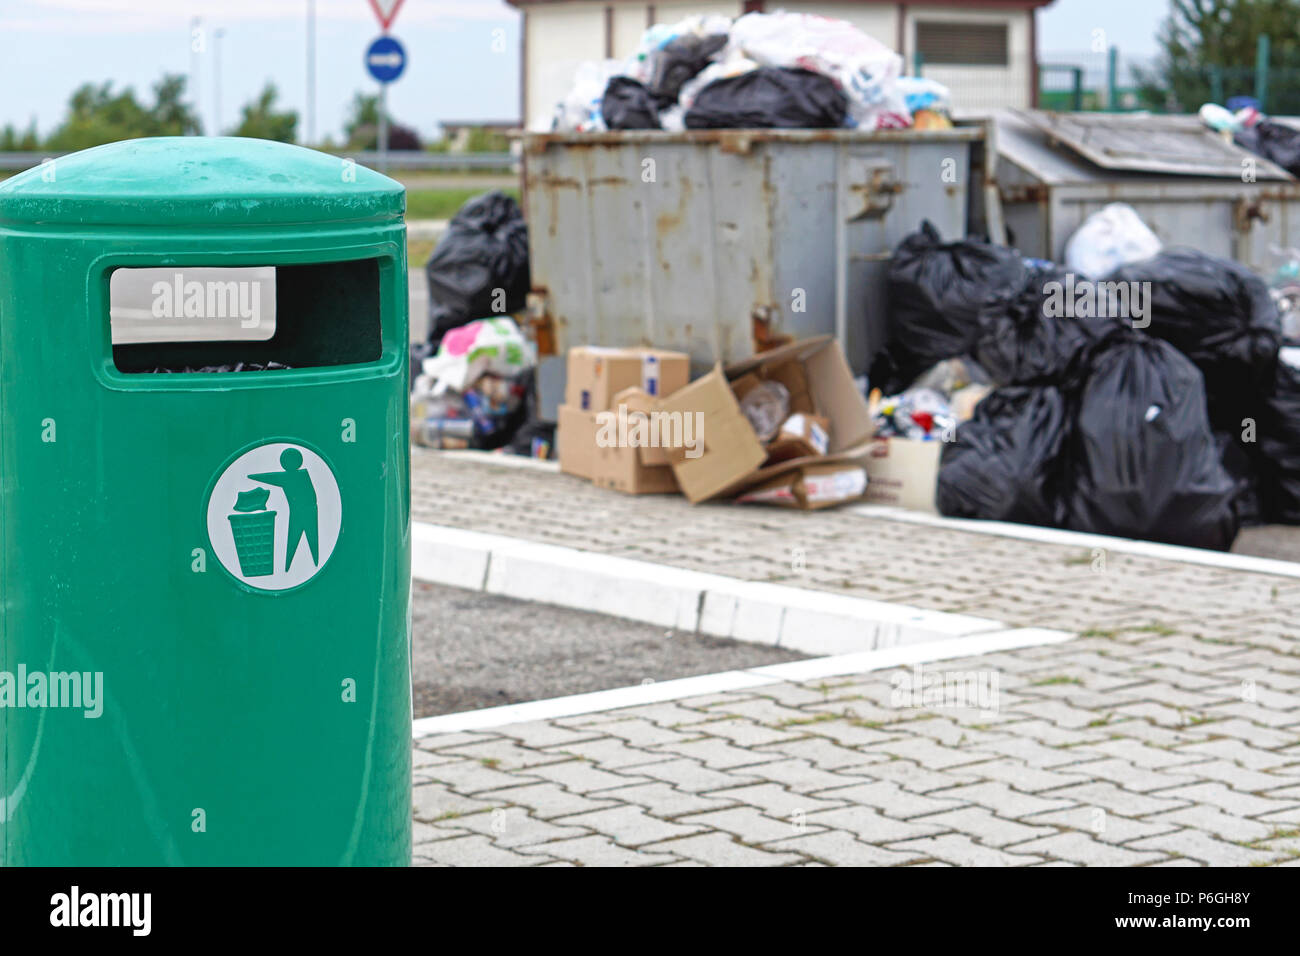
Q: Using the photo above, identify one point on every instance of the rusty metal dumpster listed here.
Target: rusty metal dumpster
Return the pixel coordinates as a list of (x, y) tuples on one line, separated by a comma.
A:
[(721, 243), (1187, 183)]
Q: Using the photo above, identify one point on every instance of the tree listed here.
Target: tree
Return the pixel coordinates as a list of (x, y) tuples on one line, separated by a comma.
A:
[(97, 115), (363, 112), (261, 121), (362, 127), (1209, 46), (11, 140)]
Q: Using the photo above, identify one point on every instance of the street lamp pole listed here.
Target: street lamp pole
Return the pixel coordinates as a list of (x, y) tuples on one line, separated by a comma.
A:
[(311, 72), (383, 127), (196, 62), (216, 79)]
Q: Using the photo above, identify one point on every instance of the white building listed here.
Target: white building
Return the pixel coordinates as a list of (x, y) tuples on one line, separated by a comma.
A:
[(984, 50)]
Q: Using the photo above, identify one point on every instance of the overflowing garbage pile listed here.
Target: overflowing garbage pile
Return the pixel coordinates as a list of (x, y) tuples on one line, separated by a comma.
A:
[(472, 381), (783, 428), (1149, 401), (474, 392), (762, 70), (1252, 130), (480, 266)]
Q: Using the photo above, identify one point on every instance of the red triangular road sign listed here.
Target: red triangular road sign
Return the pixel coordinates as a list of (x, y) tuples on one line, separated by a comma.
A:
[(386, 11)]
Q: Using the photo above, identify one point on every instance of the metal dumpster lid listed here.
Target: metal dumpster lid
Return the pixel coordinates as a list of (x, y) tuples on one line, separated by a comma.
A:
[(1149, 143)]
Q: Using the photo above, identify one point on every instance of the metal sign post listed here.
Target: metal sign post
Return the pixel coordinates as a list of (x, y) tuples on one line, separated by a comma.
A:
[(385, 59)]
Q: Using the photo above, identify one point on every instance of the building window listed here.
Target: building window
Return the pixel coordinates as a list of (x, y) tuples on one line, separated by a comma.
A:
[(962, 44)]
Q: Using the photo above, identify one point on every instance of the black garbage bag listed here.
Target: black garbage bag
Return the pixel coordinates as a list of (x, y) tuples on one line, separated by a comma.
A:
[(1216, 312), (1030, 335), (627, 104), (1142, 461), (769, 98), (678, 61), (1278, 440), (1005, 464), (1243, 466), (485, 248), (1277, 143), (935, 292)]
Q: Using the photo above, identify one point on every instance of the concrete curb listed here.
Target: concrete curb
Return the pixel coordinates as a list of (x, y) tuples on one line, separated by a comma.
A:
[(816, 669), (1087, 541), (804, 620)]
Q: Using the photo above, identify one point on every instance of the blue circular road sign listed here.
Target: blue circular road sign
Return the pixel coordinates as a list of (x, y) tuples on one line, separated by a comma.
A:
[(385, 59)]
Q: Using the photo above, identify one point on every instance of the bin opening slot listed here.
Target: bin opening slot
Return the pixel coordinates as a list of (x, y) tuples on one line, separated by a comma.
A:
[(222, 319)]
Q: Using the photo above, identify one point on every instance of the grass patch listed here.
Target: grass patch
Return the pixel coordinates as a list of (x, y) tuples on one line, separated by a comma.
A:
[(1160, 629), (418, 252), (1098, 632), (804, 721), (443, 203)]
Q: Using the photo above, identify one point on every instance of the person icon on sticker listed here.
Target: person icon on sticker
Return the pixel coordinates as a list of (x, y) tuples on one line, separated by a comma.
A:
[(300, 494)]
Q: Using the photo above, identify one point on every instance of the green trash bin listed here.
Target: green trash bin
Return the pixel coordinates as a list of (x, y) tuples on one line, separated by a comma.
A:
[(204, 509)]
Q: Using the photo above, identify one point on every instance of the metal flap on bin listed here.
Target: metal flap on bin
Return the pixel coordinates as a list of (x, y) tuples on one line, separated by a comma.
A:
[(1150, 143)]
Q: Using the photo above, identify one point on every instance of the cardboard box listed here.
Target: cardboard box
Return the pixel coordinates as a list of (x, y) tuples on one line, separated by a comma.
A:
[(622, 470), (575, 434), (903, 472), (790, 373), (731, 449), (812, 485), (635, 401), (596, 374), (801, 436), (733, 457)]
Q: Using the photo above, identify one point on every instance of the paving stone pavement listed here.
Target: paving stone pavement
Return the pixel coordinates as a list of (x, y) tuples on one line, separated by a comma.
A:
[(1166, 733)]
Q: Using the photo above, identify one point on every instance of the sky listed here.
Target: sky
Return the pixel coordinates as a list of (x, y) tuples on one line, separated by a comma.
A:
[(1068, 26), (463, 55)]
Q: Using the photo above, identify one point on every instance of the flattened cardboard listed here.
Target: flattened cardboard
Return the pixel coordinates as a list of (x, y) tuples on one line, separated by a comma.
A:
[(813, 485), (575, 434), (596, 374), (903, 472)]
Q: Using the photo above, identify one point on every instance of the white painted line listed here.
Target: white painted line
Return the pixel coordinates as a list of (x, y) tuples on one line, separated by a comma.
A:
[(640, 694), (972, 646), (805, 620), (1080, 539)]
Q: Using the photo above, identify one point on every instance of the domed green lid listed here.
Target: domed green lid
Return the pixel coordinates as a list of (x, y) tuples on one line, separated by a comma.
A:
[(199, 180)]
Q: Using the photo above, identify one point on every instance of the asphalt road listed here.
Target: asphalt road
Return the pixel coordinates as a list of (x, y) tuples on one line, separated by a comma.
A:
[(475, 650)]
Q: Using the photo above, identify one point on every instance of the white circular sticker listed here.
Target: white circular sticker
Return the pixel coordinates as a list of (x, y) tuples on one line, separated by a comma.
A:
[(274, 516)]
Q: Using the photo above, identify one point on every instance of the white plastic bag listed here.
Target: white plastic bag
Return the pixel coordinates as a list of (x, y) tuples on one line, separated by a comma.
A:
[(579, 111), (865, 68), (920, 93), (1109, 238), (468, 352)]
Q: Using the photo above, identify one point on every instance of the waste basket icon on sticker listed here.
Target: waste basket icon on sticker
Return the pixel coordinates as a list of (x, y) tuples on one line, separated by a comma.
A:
[(253, 528), (274, 515)]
